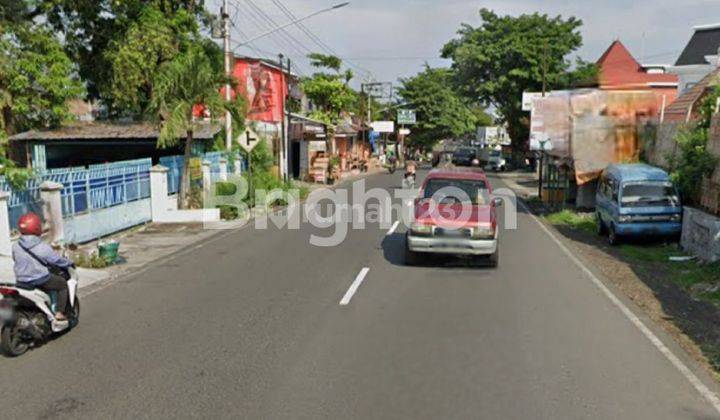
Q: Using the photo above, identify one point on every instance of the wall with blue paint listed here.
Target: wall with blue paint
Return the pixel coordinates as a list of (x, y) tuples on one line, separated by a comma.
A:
[(96, 224)]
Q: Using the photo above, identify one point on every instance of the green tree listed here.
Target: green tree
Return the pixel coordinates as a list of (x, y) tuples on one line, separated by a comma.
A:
[(182, 85), (92, 29), (441, 112), (329, 92), (36, 79), (134, 60), (507, 55)]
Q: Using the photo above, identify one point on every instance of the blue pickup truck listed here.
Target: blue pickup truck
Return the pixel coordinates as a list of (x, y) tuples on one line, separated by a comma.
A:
[(637, 200)]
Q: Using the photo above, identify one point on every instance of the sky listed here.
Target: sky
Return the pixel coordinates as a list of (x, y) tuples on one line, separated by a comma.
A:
[(384, 40)]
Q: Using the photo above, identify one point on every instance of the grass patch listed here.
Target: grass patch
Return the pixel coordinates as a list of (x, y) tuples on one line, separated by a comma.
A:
[(683, 273), (686, 274), (581, 221), (650, 253)]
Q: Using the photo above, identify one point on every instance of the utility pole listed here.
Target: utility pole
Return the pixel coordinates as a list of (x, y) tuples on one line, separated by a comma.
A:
[(228, 73), (544, 91), (544, 67), (286, 114), (283, 86)]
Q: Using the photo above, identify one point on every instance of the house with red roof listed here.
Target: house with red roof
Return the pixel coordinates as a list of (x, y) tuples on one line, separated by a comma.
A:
[(619, 70)]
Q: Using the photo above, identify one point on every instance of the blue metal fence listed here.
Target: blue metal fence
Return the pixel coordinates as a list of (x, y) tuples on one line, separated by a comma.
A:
[(84, 189)]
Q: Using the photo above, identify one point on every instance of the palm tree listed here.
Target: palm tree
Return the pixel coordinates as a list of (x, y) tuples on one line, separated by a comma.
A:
[(187, 83)]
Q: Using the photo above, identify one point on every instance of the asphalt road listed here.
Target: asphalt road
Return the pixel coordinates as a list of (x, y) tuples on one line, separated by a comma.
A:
[(250, 326)]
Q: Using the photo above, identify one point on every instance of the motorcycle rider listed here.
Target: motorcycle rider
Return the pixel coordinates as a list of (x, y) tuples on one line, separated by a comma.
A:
[(410, 175), (32, 258)]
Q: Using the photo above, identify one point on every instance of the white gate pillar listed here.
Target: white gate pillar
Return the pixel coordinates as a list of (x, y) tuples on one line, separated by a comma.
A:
[(50, 194), (5, 242), (223, 169), (158, 191)]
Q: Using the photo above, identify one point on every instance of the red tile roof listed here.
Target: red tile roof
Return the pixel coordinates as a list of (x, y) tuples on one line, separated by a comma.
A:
[(620, 70), (683, 109)]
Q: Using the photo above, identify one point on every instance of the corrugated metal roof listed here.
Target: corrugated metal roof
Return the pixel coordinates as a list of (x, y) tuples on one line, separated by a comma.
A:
[(109, 131)]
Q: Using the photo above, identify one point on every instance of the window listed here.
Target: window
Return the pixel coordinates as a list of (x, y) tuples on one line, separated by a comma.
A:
[(649, 194), (448, 191)]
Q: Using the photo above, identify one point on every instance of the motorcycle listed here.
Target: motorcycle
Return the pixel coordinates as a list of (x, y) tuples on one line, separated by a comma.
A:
[(27, 315), (409, 181)]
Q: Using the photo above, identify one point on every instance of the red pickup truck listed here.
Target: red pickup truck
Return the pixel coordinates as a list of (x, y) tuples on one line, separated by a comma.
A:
[(455, 214)]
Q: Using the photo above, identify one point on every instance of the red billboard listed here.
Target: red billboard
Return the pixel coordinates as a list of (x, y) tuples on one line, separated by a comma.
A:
[(264, 88)]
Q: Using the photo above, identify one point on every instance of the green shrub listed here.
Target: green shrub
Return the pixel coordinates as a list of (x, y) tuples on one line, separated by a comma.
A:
[(225, 188), (90, 261), (693, 163), (228, 212)]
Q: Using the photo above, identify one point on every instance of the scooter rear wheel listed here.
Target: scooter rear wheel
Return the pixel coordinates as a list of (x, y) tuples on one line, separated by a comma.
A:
[(12, 342), (74, 315)]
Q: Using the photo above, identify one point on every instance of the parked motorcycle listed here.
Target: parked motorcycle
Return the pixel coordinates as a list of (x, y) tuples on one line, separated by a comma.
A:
[(27, 315)]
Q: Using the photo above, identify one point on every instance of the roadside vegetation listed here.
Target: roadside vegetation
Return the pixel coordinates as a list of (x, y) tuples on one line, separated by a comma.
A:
[(582, 221), (701, 280), (262, 178), (693, 162), (92, 260)]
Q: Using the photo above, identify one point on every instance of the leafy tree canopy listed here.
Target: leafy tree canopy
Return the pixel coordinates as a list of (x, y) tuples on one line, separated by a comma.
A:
[(154, 39), (182, 86), (98, 33), (506, 55), (36, 78), (329, 92), (441, 111)]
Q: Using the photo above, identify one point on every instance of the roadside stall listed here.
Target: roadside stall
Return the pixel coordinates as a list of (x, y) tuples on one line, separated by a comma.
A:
[(308, 143)]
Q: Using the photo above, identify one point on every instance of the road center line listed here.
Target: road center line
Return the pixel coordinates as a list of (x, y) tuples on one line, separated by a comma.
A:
[(634, 319), (354, 286), (393, 228)]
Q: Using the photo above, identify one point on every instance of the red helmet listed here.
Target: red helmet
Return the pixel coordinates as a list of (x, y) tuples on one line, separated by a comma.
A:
[(30, 224)]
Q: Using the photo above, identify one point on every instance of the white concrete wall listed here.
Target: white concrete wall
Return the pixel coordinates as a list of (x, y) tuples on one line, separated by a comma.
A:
[(164, 207)]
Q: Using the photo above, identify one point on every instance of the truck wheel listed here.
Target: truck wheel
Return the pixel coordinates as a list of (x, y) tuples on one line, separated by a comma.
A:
[(74, 315)]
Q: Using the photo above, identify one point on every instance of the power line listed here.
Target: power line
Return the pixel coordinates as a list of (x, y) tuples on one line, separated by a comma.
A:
[(319, 42), (273, 23), (281, 39)]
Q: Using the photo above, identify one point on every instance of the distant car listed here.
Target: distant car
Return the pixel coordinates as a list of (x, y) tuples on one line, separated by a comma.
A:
[(455, 214), (637, 200), (464, 156), (493, 160)]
